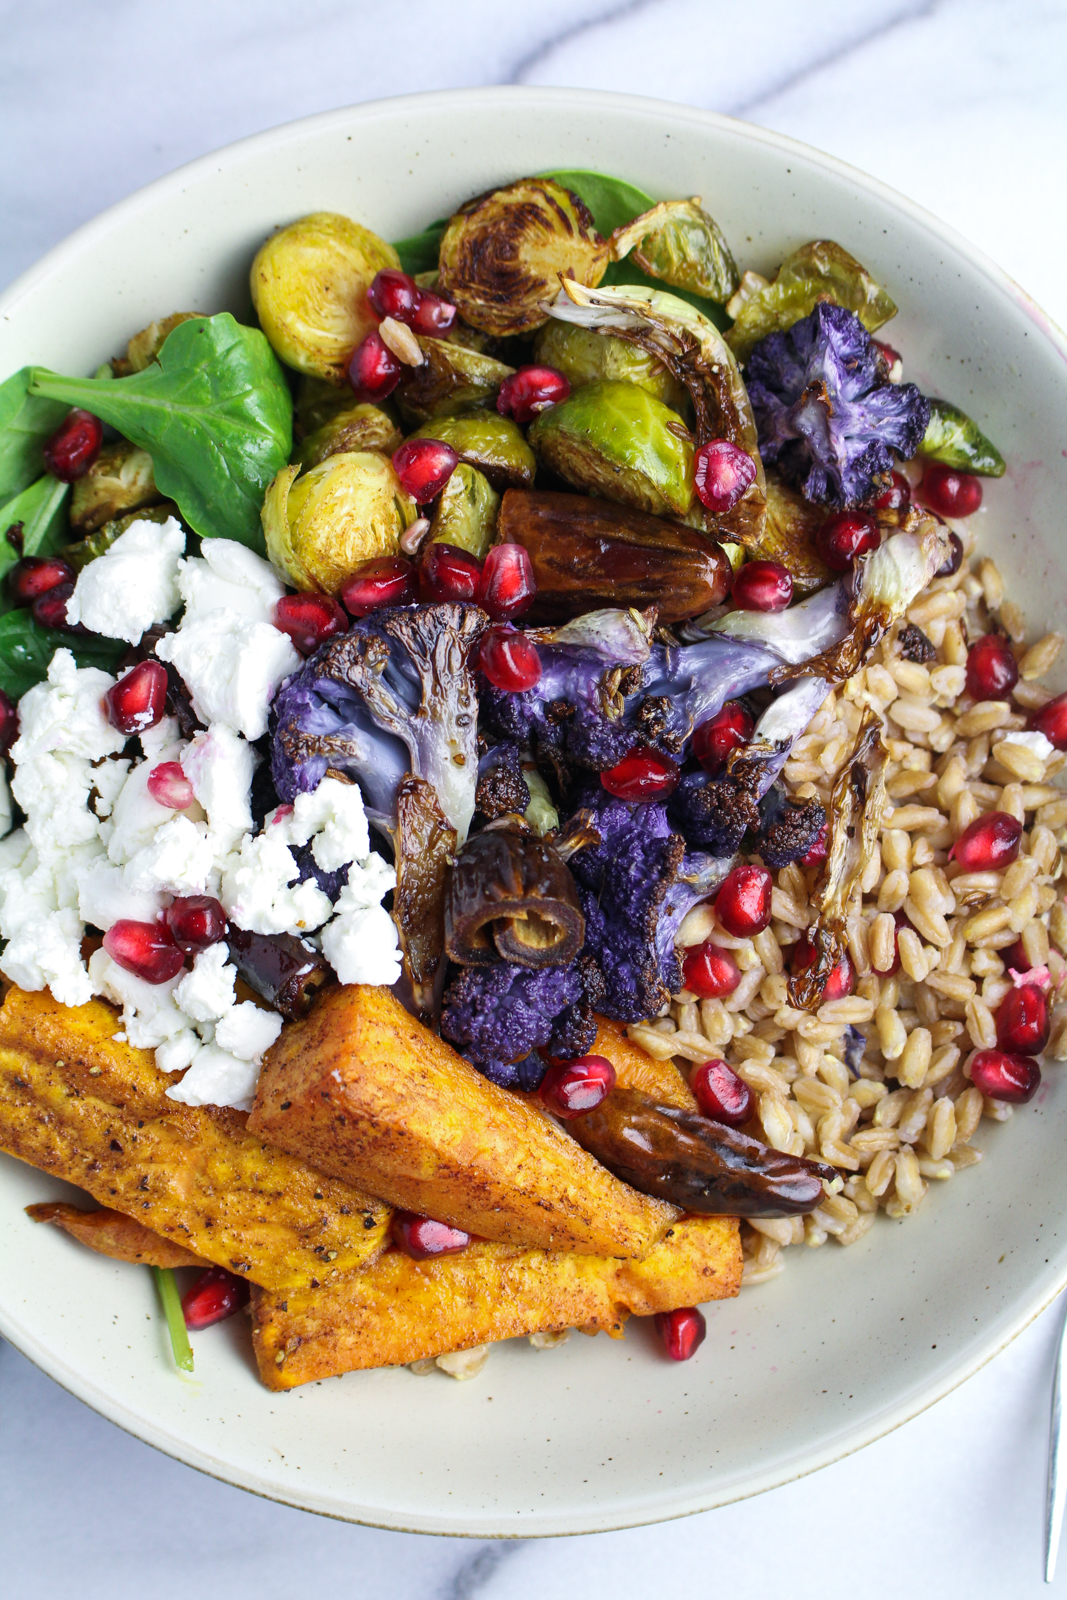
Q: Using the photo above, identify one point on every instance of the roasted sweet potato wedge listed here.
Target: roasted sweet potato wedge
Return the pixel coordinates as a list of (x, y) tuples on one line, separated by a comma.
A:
[(110, 1233), (362, 1090), (401, 1310), (636, 1069), (84, 1106)]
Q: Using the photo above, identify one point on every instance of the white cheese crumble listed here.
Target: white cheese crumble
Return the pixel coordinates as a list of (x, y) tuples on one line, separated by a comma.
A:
[(332, 817), (217, 1078), (229, 577), (260, 892), (133, 585), (219, 765), (232, 667), (1035, 741), (206, 993)]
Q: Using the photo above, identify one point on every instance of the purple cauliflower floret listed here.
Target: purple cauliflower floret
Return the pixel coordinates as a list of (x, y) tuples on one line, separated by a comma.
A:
[(787, 828), (497, 1016), (826, 413), (712, 813)]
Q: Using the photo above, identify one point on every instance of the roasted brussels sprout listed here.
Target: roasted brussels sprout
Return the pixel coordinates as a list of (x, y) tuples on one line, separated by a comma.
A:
[(488, 441), (817, 271), (678, 243), (502, 254), (309, 287), (617, 440), (145, 346), (953, 439), (119, 480), (95, 543), (451, 379), (584, 356), (789, 536), (321, 525), (466, 512), (354, 427)]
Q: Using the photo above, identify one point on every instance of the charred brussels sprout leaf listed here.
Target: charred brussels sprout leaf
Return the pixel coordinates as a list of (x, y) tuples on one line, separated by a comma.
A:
[(309, 287), (25, 423), (94, 544), (502, 254), (26, 651), (584, 357), (953, 439), (612, 201), (119, 480), (818, 271), (491, 443), (616, 440), (145, 346), (789, 536), (353, 427), (320, 526), (451, 378), (466, 512), (678, 243)]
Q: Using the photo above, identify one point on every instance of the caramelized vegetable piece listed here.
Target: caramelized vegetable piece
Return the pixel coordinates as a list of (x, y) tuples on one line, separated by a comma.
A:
[(695, 1163), (953, 439), (466, 512), (616, 440), (502, 254), (584, 356), (678, 243), (636, 1069), (282, 970), (110, 1233), (789, 537), (361, 1087), (322, 524), (426, 847), (451, 378), (403, 1310), (352, 427), (589, 553), (485, 440), (119, 480), (511, 897), (145, 346), (821, 270)]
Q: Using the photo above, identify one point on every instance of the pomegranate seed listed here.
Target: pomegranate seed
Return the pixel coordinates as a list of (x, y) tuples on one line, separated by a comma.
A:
[(9, 723), (195, 922), (845, 536), (422, 1237), (890, 356), (1023, 1021), (74, 446), (432, 315), (721, 1094), (954, 560), (509, 660), (571, 1088), (762, 586), (139, 700), (949, 491), (1051, 720), (215, 1295), (531, 390), (373, 370), (842, 980), (988, 843), (144, 948), (682, 1331), (393, 294), (713, 740), (507, 588), (897, 497), (36, 575), (309, 620), (49, 610), (641, 775), (710, 971), (819, 849), (1004, 1077), (447, 573), (1015, 958), (168, 786), (992, 670), (723, 472), (743, 904), (424, 466), (384, 581)]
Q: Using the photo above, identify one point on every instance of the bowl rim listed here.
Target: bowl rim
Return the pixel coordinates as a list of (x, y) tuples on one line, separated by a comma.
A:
[(914, 1401)]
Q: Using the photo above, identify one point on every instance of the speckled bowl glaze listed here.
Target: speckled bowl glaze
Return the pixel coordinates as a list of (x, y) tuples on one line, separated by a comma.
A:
[(846, 1344)]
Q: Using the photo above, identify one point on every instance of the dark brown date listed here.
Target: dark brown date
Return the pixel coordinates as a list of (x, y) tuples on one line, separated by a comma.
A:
[(512, 897), (590, 553), (280, 968), (695, 1163)]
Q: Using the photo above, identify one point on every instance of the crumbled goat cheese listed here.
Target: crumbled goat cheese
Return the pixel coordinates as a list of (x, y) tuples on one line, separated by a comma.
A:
[(247, 1031), (180, 859), (361, 944), (133, 584), (104, 897), (368, 882), (256, 890), (1035, 741), (163, 742), (6, 812), (135, 817), (217, 1078), (150, 1014), (229, 577), (206, 993), (219, 764), (333, 817), (232, 667)]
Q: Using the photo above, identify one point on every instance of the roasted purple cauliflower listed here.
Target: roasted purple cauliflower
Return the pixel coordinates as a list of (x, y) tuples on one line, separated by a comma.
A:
[(497, 1016), (826, 413)]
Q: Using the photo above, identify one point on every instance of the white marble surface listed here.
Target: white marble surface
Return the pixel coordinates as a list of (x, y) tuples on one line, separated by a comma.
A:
[(958, 103)]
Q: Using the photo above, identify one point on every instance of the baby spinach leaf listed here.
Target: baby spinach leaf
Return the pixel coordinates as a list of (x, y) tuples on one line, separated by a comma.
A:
[(42, 513), (26, 651), (422, 251), (25, 423), (215, 413), (954, 440)]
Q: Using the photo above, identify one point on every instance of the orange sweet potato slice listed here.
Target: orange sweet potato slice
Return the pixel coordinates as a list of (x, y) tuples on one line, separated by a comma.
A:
[(110, 1233)]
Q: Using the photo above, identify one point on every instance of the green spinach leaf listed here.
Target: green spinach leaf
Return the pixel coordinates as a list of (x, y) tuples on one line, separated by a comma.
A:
[(26, 651), (41, 510), (25, 423), (215, 413)]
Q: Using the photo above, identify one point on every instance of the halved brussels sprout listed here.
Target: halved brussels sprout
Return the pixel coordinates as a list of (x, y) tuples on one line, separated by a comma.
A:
[(466, 512), (488, 441), (789, 536), (94, 544), (145, 346), (355, 427), (821, 270), (320, 526), (451, 379), (584, 356), (119, 480), (678, 243), (309, 287), (502, 254), (953, 439), (617, 440)]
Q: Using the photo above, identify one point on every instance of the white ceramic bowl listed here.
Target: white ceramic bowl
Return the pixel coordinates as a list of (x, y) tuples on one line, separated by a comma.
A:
[(847, 1343)]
